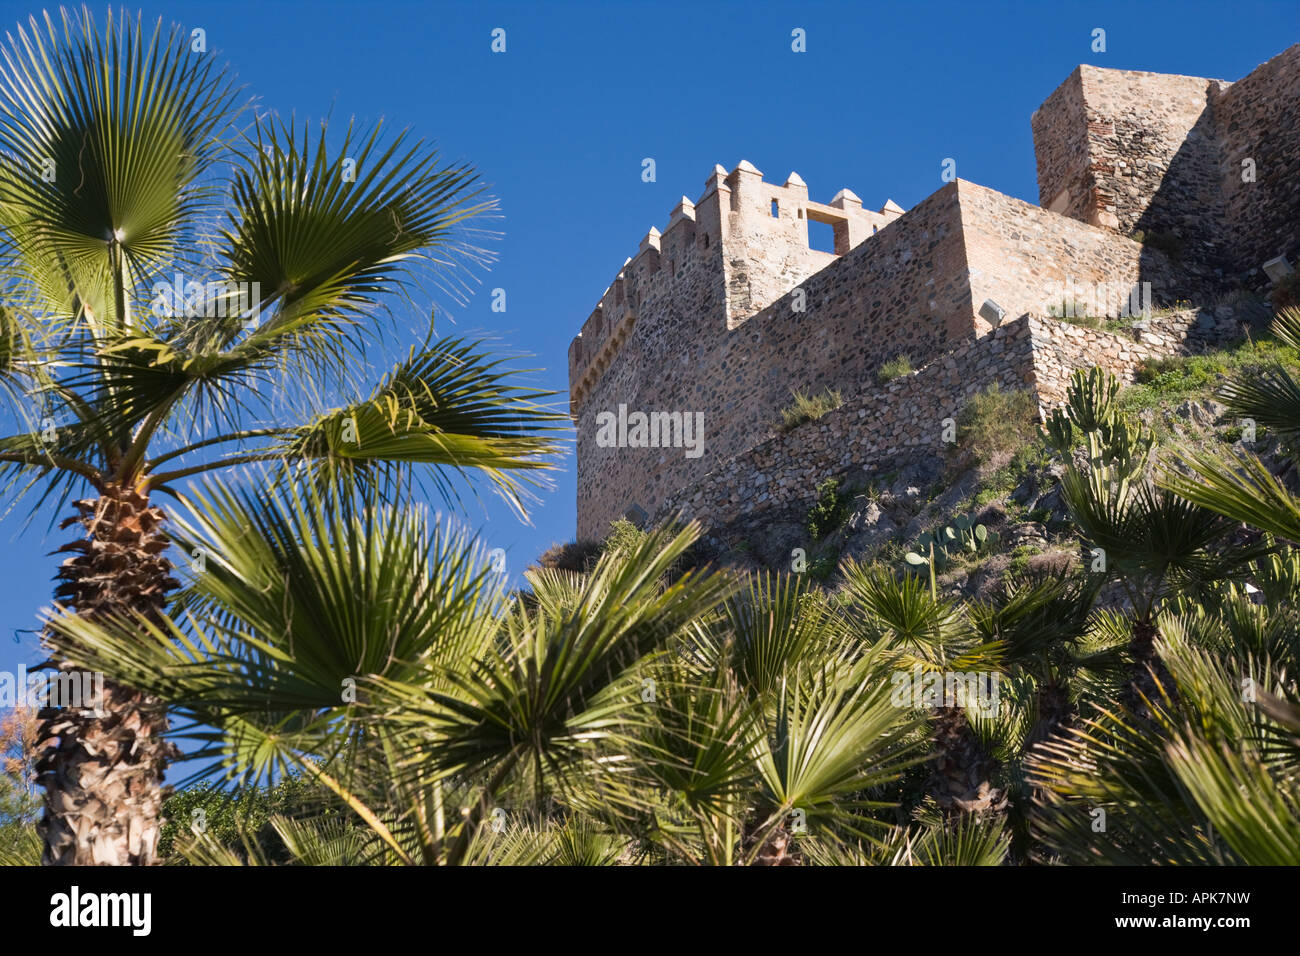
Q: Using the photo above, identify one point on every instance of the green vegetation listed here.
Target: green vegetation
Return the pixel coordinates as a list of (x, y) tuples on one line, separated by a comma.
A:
[(996, 423), (19, 808), (896, 367), (829, 511), (623, 537), (936, 549), (1077, 316), (1168, 381), (1068, 309), (807, 408), (824, 565), (224, 818)]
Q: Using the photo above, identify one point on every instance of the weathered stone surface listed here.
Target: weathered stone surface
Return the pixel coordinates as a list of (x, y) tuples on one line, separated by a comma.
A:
[(1215, 164)]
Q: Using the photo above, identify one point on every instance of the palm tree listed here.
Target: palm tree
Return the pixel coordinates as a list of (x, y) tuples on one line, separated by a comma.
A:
[(189, 289), (1200, 768), (1240, 486), (375, 652), (1156, 544), (635, 712), (933, 636), (1210, 783)]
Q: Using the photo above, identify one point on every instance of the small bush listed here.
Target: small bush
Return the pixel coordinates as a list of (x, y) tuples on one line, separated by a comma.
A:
[(227, 815), (1069, 309), (896, 367), (997, 423), (824, 565), (1050, 564), (623, 536), (830, 510), (807, 408)]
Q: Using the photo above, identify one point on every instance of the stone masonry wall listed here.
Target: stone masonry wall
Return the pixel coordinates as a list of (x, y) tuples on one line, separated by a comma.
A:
[(1150, 159), (1024, 259), (902, 421), (914, 288), (1061, 348), (1258, 118), (766, 245), (895, 422), (1163, 154), (1066, 184), (901, 290)]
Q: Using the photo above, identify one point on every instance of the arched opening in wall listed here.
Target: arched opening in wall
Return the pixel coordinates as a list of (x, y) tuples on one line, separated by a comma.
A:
[(821, 236), (776, 210)]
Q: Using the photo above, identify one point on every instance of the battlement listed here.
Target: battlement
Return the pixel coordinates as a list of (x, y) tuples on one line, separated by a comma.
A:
[(752, 234)]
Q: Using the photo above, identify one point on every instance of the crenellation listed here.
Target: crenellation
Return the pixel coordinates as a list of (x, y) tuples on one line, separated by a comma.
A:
[(760, 255)]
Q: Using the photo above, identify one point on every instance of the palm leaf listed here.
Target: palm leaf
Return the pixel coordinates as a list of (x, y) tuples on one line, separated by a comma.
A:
[(112, 135)]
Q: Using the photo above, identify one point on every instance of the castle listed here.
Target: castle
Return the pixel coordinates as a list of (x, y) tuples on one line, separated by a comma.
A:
[(1151, 186)]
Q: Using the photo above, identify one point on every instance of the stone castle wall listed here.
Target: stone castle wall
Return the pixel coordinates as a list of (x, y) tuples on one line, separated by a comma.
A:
[(729, 310), (1061, 348), (914, 289), (889, 425), (677, 353), (1026, 259), (894, 422), (1141, 135), (1258, 118), (1163, 154)]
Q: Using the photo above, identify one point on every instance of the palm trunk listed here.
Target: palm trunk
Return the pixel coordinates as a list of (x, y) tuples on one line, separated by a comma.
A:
[(102, 770), (1055, 712), (962, 780), (1149, 674), (779, 847)]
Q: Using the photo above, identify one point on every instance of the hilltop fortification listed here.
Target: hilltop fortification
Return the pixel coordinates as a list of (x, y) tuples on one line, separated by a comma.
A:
[(1153, 189)]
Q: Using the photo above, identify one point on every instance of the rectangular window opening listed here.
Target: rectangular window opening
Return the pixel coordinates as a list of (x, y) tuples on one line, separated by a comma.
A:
[(821, 236)]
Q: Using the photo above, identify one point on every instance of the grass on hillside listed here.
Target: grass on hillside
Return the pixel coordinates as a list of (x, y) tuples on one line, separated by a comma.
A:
[(896, 367), (807, 408), (1169, 381)]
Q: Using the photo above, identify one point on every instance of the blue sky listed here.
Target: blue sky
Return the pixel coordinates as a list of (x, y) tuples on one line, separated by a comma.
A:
[(559, 125)]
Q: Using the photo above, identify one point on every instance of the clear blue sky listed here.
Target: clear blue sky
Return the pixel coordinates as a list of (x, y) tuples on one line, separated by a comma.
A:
[(559, 125)]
